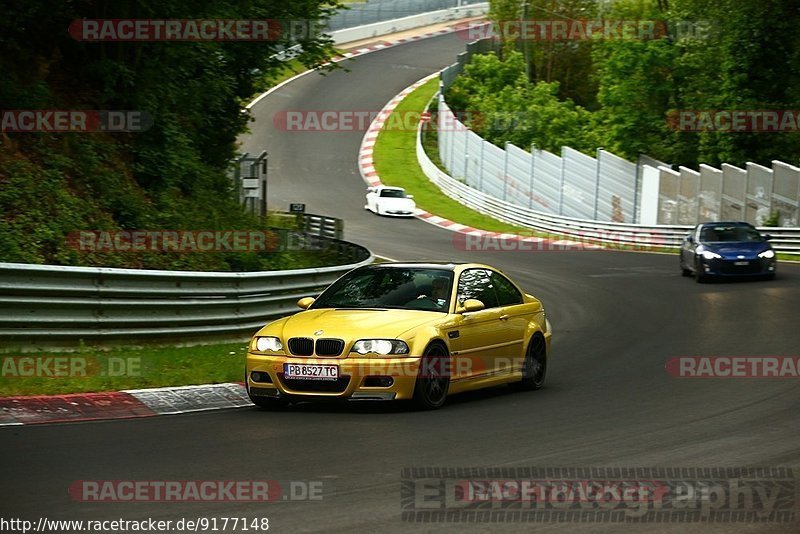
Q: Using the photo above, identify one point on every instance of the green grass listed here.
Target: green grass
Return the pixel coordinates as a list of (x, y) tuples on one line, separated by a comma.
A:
[(119, 369), (395, 158)]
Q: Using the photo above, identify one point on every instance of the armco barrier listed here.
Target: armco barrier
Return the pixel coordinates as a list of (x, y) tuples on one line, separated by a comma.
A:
[(41, 303), (396, 25), (785, 240)]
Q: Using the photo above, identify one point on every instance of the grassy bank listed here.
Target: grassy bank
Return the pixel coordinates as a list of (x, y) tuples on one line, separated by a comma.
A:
[(92, 370)]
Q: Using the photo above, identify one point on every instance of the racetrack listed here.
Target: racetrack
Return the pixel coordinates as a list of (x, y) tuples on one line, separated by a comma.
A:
[(617, 318)]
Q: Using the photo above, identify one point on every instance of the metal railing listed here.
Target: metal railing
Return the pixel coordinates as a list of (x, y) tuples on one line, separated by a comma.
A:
[(657, 237), (44, 303), (322, 226), (372, 11)]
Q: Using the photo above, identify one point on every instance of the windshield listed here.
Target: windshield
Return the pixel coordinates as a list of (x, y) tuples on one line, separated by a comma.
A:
[(390, 287), (393, 193), (728, 234)]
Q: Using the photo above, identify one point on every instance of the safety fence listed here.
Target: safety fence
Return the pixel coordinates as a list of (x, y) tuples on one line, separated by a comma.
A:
[(44, 303), (606, 187), (639, 236), (372, 11)]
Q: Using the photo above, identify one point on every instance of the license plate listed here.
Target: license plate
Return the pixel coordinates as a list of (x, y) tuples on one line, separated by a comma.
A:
[(310, 371), (741, 263)]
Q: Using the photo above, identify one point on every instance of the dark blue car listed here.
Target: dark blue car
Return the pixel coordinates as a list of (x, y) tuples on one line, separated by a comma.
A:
[(727, 249)]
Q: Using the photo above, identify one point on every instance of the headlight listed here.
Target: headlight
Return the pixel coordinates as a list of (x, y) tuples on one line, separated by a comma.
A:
[(767, 254), (382, 347), (268, 344), (707, 254)]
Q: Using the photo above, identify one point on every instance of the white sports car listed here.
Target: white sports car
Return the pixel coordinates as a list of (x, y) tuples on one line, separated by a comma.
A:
[(391, 201)]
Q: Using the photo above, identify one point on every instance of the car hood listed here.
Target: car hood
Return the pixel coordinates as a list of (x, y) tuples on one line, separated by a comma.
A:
[(396, 203), (735, 249), (351, 325)]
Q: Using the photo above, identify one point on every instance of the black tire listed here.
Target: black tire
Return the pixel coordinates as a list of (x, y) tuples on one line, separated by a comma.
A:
[(684, 270), (699, 277), (770, 276), (534, 368), (433, 381)]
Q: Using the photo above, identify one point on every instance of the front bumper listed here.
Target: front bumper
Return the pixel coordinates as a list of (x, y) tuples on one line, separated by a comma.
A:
[(360, 378), (738, 267), (396, 213)]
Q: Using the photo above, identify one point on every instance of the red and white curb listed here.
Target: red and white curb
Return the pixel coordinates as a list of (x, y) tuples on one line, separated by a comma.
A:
[(366, 166), (129, 404)]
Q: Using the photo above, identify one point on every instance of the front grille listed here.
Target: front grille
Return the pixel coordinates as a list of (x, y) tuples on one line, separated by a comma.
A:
[(329, 347), (316, 386), (730, 268), (301, 346)]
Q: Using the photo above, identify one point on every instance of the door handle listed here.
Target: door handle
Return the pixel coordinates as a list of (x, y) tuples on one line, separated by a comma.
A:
[(504, 317)]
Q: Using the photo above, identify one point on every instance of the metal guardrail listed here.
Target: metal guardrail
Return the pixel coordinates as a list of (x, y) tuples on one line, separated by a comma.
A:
[(373, 11), (785, 240), (41, 303), (322, 226)]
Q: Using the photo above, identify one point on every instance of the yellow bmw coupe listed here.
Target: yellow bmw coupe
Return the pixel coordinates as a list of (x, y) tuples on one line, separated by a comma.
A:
[(402, 331)]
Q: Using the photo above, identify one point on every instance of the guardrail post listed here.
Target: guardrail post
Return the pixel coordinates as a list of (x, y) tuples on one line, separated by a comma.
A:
[(505, 171), (597, 185), (263, 159), (533, 174), (480, 171), (563, 178)]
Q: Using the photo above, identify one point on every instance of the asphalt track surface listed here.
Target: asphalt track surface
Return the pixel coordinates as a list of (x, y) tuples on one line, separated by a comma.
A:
[(618, 318)]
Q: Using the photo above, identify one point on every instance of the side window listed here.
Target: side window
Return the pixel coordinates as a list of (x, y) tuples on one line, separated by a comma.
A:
[(477, 284), (507, 294)]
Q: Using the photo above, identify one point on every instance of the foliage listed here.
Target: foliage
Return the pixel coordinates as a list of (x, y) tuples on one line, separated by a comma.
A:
[(509, 109), (172, 176), (708, 55)]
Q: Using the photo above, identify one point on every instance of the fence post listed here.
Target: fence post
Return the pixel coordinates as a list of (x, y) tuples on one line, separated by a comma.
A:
[(563, 177), (637, 212), (480, 172), (264, 161), (597, 185), (505, 170), (451, 137), (533, 174)]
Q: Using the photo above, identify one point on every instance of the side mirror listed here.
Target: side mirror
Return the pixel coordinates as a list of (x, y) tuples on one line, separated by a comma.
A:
[(409, 196), (689, 239), (767, 237), (370, 190), (305, 302), (471, 305)]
